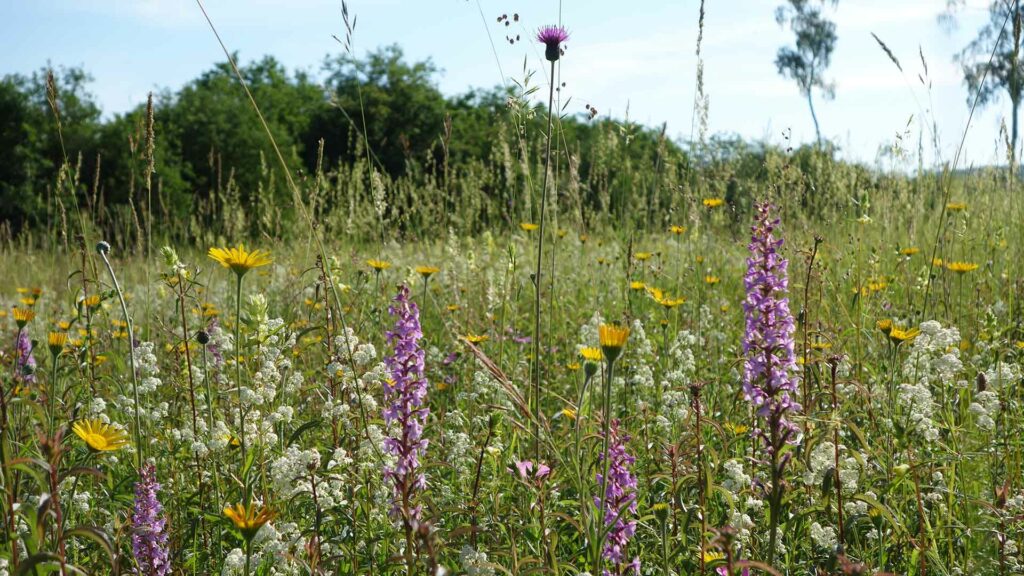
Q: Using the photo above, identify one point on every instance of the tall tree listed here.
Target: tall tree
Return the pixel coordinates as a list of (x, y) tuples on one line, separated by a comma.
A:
[(806, 62), (991, 63)]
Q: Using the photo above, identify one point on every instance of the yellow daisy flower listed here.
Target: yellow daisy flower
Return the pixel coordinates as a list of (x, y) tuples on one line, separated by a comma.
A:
[(427, 271), (613, 339), (528, 226), (239, 259), (248, 519), (712, 202), (961, 267), (100, 436), (378, 265), (23, 316)]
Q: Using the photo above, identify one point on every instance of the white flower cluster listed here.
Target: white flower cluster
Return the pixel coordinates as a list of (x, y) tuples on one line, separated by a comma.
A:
[(824, 537), (474, 562), (985, 409), (735, 479), (823, 459)]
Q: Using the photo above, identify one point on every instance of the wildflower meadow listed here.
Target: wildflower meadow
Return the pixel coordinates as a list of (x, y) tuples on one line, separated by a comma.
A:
[(586, 350)]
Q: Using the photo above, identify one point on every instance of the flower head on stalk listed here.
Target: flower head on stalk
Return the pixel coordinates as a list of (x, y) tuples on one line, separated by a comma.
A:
[(552, 37), (240, 260), (26, 361), (619, 503), (149, 537), (769, 383), (405, 413)]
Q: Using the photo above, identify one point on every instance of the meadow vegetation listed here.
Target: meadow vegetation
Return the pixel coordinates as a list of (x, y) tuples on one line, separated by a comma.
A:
[(371, 353)]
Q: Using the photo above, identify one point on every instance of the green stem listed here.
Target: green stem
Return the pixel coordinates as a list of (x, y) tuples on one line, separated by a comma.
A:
[(103, 248), (536, 279), (238, 378)]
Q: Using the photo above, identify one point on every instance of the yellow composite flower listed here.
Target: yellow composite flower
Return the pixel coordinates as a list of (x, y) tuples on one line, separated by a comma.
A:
[(713, 556), (712, 280), (475, 338), (956, 206), (100, 436), (820, 345), (453, 307), (909, 251), (28, 301), (378, 265), (900, 335), (591, 354), (936, 261), (584, 238), (239, 259), (736, 428), (528, 226), (677, 230), (637, 285), (427, 271), (56, 341), (642, 256), (613, 339), (573, 366), (569, 413), (23, 316), (961, 267), (669, 302), (248, 519), (21, 290), (885, 326), (712, 202)]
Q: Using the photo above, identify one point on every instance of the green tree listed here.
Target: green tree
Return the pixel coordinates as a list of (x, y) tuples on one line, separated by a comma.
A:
[(806, 62), (33, 149), (991, 63), (393, 104)]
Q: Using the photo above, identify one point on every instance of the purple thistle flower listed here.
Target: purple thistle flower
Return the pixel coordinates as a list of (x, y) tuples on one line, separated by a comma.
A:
[(552, 38), (769, 383), (619, 502), (406, 414), (26, 361), (149, 536)]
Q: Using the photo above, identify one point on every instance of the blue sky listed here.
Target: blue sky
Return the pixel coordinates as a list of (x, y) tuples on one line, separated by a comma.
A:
[(637, 55)]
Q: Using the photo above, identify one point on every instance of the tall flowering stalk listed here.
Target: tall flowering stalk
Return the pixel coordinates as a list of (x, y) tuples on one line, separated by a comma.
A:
[(149, 537), (25, 361), (405, 415), (552, 37), (618, 503), (769, 381)]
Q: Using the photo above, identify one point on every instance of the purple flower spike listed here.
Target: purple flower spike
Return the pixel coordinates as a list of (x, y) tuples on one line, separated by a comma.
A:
[(26, 361), (769, 383), (406, 412), (149, 537), (619, 503), (552, 37)]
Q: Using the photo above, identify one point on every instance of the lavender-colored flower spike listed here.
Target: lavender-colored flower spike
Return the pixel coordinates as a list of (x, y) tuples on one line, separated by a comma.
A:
[(619, 503), (149, 537), (769, 383), (405, 414), (552, 37), (26, 361)]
